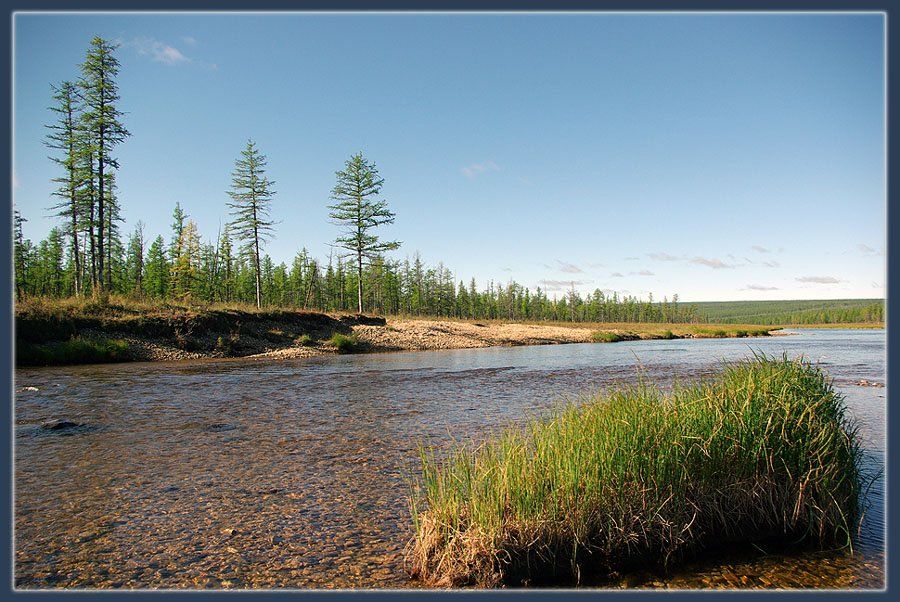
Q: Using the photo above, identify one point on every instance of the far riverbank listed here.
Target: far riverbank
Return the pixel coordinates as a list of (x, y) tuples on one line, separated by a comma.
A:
[(52, 334)]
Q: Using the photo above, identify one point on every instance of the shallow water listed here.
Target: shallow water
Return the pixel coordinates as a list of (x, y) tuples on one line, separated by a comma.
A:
[(294, 473)]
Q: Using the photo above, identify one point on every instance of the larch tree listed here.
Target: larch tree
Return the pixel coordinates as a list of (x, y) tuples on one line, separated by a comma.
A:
[(102, 123), (64, 138), (134, 264), (358, 212), (251, 197), (157, 270), (20, 252)]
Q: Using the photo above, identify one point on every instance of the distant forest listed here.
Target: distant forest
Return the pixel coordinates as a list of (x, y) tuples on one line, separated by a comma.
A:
[(825, 311), (88, 255)]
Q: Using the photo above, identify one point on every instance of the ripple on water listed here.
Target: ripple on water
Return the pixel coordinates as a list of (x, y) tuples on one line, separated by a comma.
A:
[(294, 473)]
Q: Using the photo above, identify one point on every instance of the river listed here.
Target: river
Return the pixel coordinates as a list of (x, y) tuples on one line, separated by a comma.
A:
[(295, 473)]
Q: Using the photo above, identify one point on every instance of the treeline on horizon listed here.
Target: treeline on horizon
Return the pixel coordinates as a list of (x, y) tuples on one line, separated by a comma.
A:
[(86, 255), (821, 311)]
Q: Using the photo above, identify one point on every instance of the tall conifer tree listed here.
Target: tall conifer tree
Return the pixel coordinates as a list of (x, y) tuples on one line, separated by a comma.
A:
[(104, 128), (251, 197), (358, 212)]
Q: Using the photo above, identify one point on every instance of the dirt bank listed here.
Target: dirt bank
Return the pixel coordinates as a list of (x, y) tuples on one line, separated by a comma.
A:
[(181, 334)]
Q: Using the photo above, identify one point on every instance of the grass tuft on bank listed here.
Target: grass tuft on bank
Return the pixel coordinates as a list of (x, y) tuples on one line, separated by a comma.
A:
[(344, 343), (76, 350), (764, 451)]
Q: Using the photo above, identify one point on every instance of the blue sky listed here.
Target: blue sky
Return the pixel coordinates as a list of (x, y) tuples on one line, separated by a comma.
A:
[(718, 157)]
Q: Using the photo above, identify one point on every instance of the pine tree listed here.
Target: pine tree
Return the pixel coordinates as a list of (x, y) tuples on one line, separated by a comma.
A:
[(178, 219), (102, 122), (134, 263), (357, 211), (184, 270), (251, 194), (64, 138), (157, 276), (21, 249)]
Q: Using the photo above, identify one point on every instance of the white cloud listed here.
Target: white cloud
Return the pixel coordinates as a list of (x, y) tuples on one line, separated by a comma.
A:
[(819, 279), (472, 171), (771, 264), (556, 285), (641, 273), (616, 275), (715, 264), (866, 250), (158, 51), (189, 40), (760, 287), (663, 257), (760, 249), (568, 268)]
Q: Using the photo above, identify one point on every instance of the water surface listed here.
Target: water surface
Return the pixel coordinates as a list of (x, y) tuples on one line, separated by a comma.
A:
[(294, 473)]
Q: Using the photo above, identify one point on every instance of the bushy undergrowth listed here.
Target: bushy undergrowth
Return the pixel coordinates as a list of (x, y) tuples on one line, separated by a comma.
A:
[(344, 343), (76, 350), (602, 336), (763, 451)]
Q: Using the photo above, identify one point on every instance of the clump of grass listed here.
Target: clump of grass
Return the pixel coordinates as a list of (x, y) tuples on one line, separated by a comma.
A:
[(668, 335), (641, 476), (304, 340), (605, 336), (344, 343), (76, 350)]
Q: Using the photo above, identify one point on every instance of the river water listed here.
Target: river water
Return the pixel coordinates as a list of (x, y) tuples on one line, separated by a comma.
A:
[(295, 473)]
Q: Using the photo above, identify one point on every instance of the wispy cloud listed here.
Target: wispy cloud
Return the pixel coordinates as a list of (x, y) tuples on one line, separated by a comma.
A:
[(158, 51), (506, 269), (616, 275), (868, 251), (760, 249), (760, 287), (189, 40), (716, 264), (663, 257), (556, 285), (819, 279), (568, 268), (641, 273), (476, 169), (632, 258), (771, 264), (596, 265)]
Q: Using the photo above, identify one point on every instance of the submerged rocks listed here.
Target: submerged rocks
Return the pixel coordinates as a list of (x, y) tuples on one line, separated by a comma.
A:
[(59, 424), (218, 427)]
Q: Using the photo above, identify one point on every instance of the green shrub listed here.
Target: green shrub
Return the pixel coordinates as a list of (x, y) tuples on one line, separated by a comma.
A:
[(77, 350), (304, 340), (603, 336), (765, 450), (344, 343)]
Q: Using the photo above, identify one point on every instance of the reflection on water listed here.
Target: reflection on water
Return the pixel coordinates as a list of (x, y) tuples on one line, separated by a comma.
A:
[(295, 473)]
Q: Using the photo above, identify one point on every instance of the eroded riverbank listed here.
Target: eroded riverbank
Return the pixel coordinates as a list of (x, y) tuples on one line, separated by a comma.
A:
[(119, 333)]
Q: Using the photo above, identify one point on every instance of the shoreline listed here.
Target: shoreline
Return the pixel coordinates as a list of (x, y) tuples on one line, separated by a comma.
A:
[(116, 335)]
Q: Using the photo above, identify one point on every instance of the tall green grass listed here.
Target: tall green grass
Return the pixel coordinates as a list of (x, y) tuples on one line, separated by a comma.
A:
[(76, 350), (763, 451)]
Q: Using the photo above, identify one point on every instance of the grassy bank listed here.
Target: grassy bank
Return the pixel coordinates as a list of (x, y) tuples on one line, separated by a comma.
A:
[(638, 476), (171, 331), (76, 350)]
